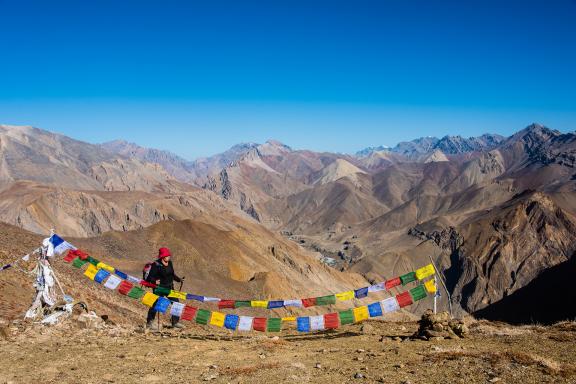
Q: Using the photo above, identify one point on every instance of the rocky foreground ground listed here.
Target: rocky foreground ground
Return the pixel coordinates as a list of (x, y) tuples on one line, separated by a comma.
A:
[(371, 352)]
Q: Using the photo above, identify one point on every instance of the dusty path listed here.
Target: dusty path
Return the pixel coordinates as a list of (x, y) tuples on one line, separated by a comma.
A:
[(493, 353)]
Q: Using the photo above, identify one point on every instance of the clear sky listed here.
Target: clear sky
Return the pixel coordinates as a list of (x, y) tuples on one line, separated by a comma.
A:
[(196, 77)]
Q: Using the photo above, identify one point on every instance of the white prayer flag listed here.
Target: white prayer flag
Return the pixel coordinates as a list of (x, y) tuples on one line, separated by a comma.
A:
[(133, 280), (211, 299), (112, 282), (293, 303), (390, 305), (245, 323), (316, 323), (377, 287), (177, 309)]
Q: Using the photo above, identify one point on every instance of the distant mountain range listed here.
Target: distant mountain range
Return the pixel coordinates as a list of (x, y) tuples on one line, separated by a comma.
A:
[(494, 212)]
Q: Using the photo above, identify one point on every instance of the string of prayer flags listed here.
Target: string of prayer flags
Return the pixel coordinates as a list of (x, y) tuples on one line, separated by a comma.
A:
[(390, 305), (418, 293), (259, 324), (259, 304), (317, 323), (404, 299), (189, 313), (202, 316), (303, 324), (217, 319), (331, 320), (326, 300), (176, 309), (231, 321), (345, 296), (245, 323), (375, 309), (392, 283), (424, 272), (274, 324), (101, 275), (275, 304), (430, 285), (149, 299), (361, 293), (90, 272), (136, 292), (78, 263), (360, 313), (125, 287), (112, 282), (408, 278), (226, 304), (346, 317), (162, 304)]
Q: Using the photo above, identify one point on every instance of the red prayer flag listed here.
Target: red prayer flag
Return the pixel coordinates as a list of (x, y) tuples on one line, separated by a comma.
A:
[(147, 284), (70, 256), (331, 321), (392, 283), (259, 324), (125, 287), (404, 299), (189, 313), (226, 304), (309, 302)]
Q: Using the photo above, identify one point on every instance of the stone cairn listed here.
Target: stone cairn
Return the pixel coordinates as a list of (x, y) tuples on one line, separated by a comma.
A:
[(440, 326)]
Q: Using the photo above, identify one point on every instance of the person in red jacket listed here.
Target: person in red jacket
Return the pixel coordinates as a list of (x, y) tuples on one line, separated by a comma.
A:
[(162, 274)]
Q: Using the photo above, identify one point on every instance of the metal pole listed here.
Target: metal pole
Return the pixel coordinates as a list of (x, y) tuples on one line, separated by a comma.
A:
[(444, 285)]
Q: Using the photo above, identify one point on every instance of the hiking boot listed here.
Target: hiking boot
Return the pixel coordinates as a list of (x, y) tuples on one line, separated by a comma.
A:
[(178, 325), (151, 326)]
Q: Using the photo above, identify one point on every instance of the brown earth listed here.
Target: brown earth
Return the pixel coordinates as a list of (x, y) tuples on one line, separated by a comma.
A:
[(373, 352)]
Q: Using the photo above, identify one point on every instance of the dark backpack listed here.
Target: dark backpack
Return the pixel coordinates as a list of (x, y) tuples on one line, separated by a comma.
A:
[(146, 270)]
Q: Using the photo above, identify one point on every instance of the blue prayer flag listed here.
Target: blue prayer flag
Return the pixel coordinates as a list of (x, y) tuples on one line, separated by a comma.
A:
[(162, 304), (375, 309), (121, 274), (360, 293), (303, 324), (231, 321), (275, 304), (101, 275), (190, 296)]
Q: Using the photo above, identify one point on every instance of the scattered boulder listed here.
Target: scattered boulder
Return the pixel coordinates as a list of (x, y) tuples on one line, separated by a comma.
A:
[(90, 321), (440, 326)]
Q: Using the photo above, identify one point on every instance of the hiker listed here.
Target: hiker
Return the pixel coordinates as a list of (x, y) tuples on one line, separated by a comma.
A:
[(162, 274)]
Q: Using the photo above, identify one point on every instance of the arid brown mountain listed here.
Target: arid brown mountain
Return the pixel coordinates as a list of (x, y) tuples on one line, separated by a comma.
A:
[(378, 213)]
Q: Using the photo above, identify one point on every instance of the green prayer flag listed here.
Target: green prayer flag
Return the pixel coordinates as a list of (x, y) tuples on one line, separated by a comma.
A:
[(203, 316), (92, 260), (240, 304), (161, 291), (418, 293), (274, 324), (326, 300), (136, 292), (346, 317), (78, 262), (408, 278)]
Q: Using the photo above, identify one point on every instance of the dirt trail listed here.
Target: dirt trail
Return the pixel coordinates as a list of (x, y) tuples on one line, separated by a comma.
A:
[(373, 352)]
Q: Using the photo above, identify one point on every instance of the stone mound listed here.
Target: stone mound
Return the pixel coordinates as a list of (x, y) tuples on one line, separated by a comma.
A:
[(440, 326)]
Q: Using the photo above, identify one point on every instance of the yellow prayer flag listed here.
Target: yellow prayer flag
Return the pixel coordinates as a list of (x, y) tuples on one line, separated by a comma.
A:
[(91, 271), (289, 319), (149, 299), (217, 319), (360, 313), (344, 296), (177, 295), (259, 303), (430, 286), (105, 266), (424, 272)]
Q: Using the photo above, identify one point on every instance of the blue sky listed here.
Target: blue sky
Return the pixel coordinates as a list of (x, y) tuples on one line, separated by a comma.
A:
[(198, 77)]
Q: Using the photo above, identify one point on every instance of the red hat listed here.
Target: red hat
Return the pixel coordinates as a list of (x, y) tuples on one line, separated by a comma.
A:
[(163, 252)]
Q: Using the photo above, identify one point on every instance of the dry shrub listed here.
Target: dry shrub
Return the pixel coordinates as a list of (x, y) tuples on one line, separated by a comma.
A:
[(249, 369)]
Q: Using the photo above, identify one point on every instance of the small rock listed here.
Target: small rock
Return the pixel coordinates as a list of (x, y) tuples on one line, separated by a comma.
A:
[(359, 350), (494, 380), (318, 366), (213, 366), (262, 356), (275, 338), (358, 375), (398, 366), (358, 359)]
